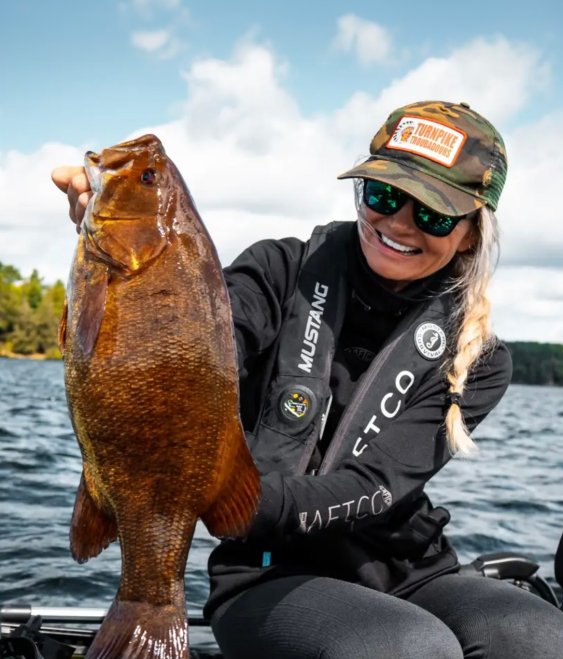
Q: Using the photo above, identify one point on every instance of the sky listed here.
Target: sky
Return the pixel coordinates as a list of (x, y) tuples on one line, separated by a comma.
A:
[(262, 104)]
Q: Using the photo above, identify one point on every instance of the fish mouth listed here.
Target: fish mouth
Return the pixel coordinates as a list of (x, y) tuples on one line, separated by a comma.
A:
[(115, 162), (93, 172)]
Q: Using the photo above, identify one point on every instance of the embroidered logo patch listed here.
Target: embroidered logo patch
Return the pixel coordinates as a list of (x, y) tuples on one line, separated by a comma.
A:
[(296, 403), (427, 138), (430, 340)]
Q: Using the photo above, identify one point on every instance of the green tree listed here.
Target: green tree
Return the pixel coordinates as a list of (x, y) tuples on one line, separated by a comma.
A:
[(9, 299), (33, 290), (9, 274), (46, 319), (56, 294), (537, 363), (24, 335)]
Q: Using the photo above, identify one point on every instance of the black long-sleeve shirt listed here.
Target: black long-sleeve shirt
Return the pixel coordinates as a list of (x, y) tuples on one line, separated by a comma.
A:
[(401, 458)]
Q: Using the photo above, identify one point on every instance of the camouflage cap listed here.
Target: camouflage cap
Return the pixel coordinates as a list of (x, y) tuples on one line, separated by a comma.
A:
[(444, 154)]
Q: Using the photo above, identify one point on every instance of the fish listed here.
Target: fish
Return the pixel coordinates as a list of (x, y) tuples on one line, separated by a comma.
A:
[(152, 389)]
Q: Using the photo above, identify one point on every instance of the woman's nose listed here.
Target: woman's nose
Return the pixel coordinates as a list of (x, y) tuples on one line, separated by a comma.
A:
[(404, 217)]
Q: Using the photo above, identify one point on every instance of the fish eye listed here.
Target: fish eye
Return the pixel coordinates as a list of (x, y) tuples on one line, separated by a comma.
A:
[(148, 177)]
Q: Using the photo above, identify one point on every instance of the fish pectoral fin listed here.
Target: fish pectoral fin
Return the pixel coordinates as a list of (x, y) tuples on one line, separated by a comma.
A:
[(233, 511), (91, 529), (92, 312), (62, 327)]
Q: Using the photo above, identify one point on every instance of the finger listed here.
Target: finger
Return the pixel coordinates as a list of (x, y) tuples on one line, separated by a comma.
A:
[(62, 176), (78, 193), (80, 207), (80, 181)]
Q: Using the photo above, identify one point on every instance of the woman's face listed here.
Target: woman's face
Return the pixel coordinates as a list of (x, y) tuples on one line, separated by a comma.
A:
[(402, 253)]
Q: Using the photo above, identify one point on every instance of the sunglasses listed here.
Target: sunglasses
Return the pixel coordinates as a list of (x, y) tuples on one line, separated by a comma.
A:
[(387, 200)]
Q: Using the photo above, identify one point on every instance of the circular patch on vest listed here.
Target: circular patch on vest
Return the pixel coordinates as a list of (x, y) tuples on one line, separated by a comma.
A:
[(296, 403), (430, 340)]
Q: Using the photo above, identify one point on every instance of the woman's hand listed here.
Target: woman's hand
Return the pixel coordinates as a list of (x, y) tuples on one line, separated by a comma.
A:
[(74, 182)]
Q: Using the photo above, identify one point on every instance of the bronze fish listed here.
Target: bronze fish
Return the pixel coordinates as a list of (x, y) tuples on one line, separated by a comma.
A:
[(152, 388)]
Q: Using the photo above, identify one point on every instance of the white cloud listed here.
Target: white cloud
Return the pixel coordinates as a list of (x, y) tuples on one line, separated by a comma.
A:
[(255, 165), (258, 167), (164, 43), (159, 42), (370, 42), (530, 213), (496, 77), (35, 231), (150, 41), (528, 303)]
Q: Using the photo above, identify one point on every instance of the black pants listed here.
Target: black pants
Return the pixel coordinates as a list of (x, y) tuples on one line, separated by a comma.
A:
[(454, 616)]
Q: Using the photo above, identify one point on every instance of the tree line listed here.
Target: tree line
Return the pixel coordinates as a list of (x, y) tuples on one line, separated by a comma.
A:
[(30, 312), (536, 363)]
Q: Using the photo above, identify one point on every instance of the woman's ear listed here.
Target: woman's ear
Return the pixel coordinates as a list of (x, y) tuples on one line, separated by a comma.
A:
[(470, 239)]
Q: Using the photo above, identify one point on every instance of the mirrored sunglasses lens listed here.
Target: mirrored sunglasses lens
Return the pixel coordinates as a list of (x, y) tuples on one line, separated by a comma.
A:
[(434, 223), (382, 197)]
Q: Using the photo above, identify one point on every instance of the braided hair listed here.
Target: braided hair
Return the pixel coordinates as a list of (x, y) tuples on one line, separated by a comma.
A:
[(472, 316)]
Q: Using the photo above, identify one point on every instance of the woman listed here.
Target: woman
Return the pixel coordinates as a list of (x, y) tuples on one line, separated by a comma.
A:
[(366, 358)]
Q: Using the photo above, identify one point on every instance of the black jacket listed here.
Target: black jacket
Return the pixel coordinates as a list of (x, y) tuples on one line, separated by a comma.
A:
[(393, 552)]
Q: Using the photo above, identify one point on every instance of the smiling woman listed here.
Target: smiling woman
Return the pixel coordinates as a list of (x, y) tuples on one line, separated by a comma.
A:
[(366, 358), (391, 241)]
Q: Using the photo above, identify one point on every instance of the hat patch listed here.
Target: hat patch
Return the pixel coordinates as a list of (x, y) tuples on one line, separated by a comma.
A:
[(427, 138), (430, 340)]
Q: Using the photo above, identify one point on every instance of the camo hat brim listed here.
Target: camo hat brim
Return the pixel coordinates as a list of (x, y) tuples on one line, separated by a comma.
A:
[(445, 155)]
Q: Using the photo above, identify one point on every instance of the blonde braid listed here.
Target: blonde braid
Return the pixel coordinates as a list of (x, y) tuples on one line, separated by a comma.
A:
[(474, 336)]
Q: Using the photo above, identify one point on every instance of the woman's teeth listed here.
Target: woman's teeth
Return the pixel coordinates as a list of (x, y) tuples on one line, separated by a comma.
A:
[(397, 246)]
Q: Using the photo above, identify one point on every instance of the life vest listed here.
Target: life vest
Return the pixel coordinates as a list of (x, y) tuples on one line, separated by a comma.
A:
[(298, 395)]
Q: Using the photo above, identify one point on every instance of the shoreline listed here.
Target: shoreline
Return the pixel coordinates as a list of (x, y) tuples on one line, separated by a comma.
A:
[(36, 356)]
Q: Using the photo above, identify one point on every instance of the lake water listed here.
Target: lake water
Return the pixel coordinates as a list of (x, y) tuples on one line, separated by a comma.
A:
[(508, 498)]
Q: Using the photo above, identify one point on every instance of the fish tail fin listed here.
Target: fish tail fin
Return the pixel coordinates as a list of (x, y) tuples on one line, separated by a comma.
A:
[(232, 512), (139, 630)]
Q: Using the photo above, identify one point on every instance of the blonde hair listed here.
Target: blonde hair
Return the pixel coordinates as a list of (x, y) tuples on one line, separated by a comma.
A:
[(472, 317)]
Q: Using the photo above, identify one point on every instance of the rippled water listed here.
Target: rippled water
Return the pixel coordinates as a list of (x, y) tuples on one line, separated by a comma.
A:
[(510, 497)]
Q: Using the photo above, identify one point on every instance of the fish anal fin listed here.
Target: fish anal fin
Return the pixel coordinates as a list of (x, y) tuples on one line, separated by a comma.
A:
[(92, 312), (91, 529), (62, 327), (233, 511)]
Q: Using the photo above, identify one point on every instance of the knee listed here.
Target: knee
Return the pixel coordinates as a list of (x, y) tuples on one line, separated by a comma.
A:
[(424, 637), (496, 629), (535, 629)]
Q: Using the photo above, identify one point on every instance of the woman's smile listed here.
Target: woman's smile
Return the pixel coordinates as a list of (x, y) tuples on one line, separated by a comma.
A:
[(396, 246)]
